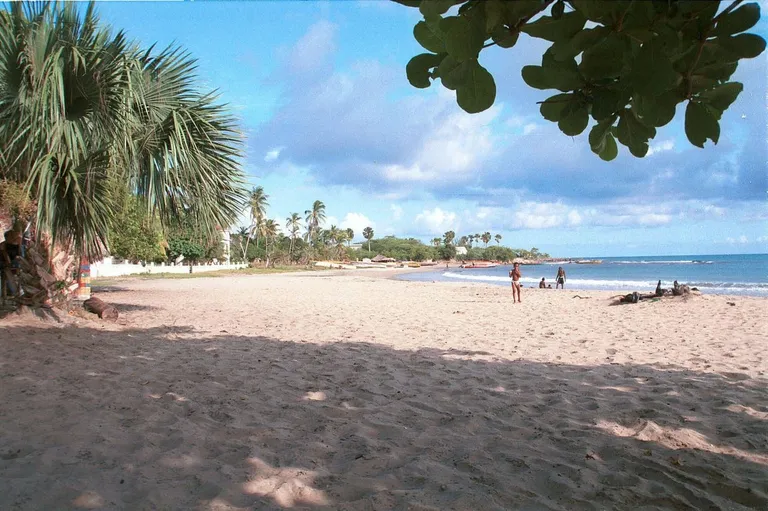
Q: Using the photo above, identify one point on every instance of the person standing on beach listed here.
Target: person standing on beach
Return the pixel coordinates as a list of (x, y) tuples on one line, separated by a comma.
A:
[(515, 274), (560, 279)]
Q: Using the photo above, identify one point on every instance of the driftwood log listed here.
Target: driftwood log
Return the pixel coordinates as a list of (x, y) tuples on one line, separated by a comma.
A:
[(100, 307)]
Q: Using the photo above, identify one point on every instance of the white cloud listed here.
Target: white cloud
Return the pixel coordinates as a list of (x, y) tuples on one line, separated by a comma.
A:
[(397, 211), (436, 221), (530, 128), (660, 147), (273, 154), (330, 220), (574, 218), (357, 222), (452, 152), (311, 51), (742, 240), (653, 219)]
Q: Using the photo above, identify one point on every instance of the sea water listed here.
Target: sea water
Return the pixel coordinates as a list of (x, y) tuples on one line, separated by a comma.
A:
[(722, 274)]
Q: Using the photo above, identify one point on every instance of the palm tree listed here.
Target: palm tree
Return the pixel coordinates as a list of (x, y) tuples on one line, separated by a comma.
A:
[(258, 202), (293, 224), (368, 235), (486, 237), (82, 109), (436, 242), (314, 218), (497, 238), (350, 235), (269, 230), (341, 237), (448, 237), (463, 241)]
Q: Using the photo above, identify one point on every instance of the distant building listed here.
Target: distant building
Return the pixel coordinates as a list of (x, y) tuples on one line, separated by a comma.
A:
[(461, 250)]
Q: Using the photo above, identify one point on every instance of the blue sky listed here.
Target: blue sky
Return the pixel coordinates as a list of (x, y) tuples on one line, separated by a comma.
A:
[(321, 94)]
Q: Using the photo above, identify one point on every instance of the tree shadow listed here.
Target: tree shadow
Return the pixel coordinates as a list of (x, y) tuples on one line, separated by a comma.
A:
[(159, 418)]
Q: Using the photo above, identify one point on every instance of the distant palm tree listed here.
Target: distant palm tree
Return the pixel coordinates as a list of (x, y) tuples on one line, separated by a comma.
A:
[(486, 237), (368, 234), (350, 235), (448, 237), (341, 237), (463, 241), (269, 229), (314, 218), (293, 224), (333, 234), (258, 202), (497, 238), (436, 242)]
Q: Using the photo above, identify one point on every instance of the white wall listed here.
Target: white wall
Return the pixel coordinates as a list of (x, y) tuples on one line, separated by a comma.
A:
[(106, 268)]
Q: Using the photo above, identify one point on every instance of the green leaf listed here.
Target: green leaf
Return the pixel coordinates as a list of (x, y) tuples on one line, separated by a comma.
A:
[(700, 124), (606, 102), (427, 38), (558, 9), (610, 149), (454, 73), (739, 20), (594, 10), (634, 134), (434, 8), (656, 111), (494, 14), (554, 30), (569, 48), (742, 46), (573, 118), (604, 59), (722, 96), (717, 71), (540, 77), (504, 37), (478, 93), (418, 68), (552, 108), (652, 71), (463, 40), (599, 133)]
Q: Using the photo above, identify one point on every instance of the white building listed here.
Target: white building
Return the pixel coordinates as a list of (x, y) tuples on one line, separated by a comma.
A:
[(461, 251)]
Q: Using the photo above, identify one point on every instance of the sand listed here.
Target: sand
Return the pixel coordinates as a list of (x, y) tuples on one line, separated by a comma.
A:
[(351, 392)]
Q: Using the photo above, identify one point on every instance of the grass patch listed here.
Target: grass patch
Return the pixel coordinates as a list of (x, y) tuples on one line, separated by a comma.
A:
[(105, 281)]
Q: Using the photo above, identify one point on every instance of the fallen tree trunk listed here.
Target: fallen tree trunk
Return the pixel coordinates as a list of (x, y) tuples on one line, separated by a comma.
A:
[(100, 307)]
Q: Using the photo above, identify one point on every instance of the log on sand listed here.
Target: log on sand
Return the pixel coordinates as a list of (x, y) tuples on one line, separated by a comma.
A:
[(103, 309)]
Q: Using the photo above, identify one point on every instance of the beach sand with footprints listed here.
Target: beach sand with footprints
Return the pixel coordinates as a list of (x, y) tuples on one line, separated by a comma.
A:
[(356, 392)]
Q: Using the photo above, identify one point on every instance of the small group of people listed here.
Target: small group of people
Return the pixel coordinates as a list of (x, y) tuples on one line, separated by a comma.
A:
[(559, 279), (515, 275)]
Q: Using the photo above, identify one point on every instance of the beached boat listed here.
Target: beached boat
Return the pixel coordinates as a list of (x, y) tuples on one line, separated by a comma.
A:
[(589, 261), (414, 265)]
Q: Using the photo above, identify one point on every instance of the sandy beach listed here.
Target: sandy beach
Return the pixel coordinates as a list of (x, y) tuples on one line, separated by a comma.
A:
[(357, 392)]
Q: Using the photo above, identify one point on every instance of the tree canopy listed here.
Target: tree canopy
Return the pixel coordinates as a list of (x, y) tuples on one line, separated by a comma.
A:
[(627, 64), (82, 107)]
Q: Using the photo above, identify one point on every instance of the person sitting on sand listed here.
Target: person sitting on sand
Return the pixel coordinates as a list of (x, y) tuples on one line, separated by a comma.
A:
[(515, 274), (560, 279), (549, 286), (542, 284)]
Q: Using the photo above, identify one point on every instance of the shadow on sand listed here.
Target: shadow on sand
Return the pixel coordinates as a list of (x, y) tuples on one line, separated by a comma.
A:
[(158, 419)]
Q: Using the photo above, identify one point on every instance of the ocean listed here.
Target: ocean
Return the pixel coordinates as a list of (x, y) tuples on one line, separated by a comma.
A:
[(711, 274)]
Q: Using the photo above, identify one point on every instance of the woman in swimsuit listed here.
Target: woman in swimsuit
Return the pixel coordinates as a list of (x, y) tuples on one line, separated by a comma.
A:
[(515, 274)]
